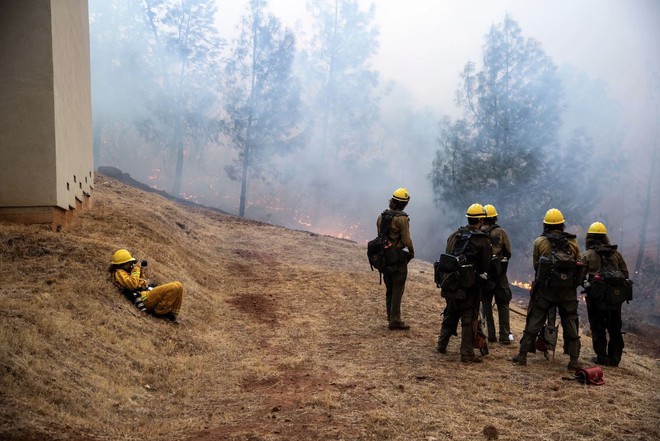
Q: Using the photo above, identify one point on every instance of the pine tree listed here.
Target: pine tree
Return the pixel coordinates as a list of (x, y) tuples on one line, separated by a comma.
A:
[(262, 96), (501, 151)]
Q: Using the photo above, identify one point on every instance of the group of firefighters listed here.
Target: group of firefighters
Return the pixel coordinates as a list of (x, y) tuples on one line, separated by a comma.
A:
[(483, 247)]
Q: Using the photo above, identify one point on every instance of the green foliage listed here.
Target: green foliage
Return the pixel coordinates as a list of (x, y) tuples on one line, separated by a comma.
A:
[(504, 150)]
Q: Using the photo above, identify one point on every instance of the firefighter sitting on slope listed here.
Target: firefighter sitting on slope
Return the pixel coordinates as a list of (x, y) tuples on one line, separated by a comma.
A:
[(162, 301)]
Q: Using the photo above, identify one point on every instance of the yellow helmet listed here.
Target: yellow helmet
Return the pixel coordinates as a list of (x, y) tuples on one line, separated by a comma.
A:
[(490, 210), (401, 194), (597, 228), (553, 217), (122, 256), (475, 211)]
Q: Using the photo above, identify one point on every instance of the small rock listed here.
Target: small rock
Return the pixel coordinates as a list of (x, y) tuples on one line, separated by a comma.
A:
[(490, 432)]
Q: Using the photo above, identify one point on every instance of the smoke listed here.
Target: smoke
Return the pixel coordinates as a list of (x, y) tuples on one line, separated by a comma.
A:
[(607, 57)]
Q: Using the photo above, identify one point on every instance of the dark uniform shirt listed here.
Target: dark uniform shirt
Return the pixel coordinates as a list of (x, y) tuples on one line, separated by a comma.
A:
[(592, 262), (399, 232), (499, 239), (479, 251)]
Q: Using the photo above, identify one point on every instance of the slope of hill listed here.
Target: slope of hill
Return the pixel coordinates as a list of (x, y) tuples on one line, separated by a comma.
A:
[(282, 337)]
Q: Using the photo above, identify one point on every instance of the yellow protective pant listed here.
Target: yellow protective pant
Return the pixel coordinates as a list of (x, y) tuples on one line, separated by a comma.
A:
[(164, 298)]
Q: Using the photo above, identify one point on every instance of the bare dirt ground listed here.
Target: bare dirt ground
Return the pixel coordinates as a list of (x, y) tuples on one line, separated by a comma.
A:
[(282, 337)]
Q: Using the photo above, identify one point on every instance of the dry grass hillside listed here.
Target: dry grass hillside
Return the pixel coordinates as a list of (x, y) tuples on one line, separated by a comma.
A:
[(282, 337)]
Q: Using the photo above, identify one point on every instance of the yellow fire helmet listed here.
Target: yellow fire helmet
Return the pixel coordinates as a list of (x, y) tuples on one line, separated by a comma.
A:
[(553, 217), (490, 210), (401, 194), (475, 211), (122, 256), (597, 228)]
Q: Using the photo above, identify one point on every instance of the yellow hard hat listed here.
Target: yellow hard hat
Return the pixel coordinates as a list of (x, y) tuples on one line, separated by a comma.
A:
[(475, 211), (490, 210), (597, 228), (401, 194), (122, 256), (553, 217)]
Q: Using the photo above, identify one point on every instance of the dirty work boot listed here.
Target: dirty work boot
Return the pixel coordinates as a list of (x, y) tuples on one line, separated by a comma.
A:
[(167, 316), (471, 359), (520, 359), (399, 326), (443, 341), (574, 364), (601, 361)]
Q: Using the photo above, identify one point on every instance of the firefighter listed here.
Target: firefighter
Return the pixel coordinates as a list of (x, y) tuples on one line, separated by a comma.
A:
[(603, 266), (162, 301), (473, 247), (498, 284), (395, 275), (554, 287)]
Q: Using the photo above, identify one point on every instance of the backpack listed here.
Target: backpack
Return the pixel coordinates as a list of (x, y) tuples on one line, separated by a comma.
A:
[(560, 269), (498, 264), (452, 273), (380, 250), (610, 286)]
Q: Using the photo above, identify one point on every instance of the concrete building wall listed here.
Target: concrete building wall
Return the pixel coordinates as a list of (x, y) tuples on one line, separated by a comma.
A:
[(73, 104), (27, 120), (46, 163)]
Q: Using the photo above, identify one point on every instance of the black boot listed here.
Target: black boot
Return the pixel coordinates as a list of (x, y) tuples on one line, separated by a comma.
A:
[(520, 359)]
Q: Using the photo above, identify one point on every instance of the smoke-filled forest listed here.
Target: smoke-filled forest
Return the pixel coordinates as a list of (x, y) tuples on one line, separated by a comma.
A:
[(309, 114)]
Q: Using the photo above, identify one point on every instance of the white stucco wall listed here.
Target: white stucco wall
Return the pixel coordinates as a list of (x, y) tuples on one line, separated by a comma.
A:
[(45, 103)]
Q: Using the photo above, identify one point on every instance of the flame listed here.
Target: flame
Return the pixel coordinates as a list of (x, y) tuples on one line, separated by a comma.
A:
[(521, 284)]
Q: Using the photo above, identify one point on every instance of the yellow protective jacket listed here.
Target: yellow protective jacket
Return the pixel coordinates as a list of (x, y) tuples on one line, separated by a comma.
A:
[(132, 281), (399, 232)]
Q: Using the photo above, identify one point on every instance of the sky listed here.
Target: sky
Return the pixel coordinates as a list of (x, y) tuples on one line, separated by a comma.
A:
[(424, 44)]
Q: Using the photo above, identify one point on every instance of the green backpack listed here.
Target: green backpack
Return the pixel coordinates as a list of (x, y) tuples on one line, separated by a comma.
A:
[(560, 269), (609, 287)]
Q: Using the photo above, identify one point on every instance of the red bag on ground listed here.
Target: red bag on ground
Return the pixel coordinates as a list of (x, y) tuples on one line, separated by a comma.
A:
[(590, 375)]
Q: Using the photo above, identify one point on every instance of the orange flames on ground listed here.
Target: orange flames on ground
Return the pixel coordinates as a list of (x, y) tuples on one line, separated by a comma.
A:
[(521, 284)]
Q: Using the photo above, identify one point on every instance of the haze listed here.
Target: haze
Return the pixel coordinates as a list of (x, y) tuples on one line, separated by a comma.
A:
[(612, 45)]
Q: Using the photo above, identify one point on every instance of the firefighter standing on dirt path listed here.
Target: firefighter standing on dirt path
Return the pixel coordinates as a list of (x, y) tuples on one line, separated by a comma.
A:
[(463, 303), (553, 288), (604, 313), (396, 274), (162, 301), (498, 284)]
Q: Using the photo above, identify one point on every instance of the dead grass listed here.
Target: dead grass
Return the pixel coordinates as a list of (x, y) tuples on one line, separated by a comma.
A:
[(282, 337)]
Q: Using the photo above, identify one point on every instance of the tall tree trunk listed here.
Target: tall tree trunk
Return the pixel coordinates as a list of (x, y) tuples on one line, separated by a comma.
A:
[(328, 107), (251, 107), (179, 138), (647, 203), (178, 170)]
